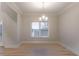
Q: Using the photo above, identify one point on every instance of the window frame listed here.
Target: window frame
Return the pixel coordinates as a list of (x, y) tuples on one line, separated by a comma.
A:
[(39, 29)]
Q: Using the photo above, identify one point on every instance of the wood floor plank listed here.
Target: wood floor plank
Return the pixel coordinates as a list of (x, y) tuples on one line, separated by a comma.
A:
[(36, 49)]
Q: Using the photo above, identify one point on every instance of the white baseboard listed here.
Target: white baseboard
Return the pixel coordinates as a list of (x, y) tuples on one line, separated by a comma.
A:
[(30, 42), (67, 47), (39, 42), (12, 46), (1, 43)]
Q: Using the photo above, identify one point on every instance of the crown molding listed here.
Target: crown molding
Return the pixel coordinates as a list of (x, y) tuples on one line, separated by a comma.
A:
[(69, 7), (14, 7)]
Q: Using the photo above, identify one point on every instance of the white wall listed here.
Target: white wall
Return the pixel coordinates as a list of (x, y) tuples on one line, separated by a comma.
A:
[(69, 27), (0, 18), (0, 21), (11, 28), (52, 23)]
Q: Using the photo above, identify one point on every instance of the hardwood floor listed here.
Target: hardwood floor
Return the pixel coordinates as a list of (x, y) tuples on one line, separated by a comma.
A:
[(36, 50)]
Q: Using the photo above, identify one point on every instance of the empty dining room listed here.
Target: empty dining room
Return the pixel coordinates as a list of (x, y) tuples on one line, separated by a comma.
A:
[(39, 28)]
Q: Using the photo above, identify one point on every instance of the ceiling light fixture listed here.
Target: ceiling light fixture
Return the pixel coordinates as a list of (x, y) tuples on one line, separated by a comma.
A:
[(43, 17)]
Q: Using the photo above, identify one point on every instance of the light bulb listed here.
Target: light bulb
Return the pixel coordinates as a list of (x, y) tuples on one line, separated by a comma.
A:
[(46, 18), (40, 19), (43, 17)]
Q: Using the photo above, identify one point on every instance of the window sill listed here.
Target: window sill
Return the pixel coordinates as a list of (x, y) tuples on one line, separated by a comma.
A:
[(40, 37)]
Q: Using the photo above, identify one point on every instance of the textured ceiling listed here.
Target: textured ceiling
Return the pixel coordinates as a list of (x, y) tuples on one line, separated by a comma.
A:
[(37, 7)]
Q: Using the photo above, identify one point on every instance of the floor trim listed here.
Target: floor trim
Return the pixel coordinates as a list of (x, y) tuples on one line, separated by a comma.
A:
[(72, 50), (1, 44), (12, 46), (39, 42)]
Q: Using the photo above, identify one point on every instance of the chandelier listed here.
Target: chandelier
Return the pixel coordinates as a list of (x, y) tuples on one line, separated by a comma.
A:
[(43, 17)]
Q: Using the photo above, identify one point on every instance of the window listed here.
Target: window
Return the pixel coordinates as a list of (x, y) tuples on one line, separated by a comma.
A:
[(1, 30), (40, 29)]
